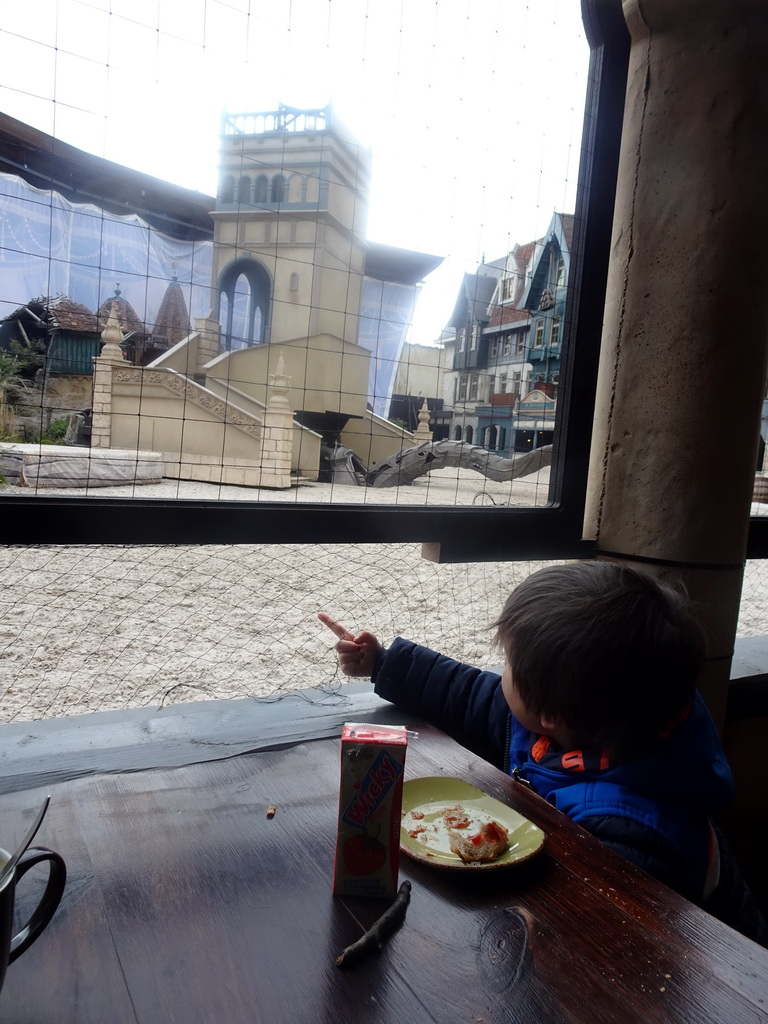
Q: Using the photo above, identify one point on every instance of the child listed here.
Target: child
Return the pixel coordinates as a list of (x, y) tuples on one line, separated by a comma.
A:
[(597, 711)]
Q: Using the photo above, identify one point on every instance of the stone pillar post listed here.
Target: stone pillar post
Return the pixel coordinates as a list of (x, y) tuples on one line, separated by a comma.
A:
[(277, 442), (208, 343), (111, 355), (422, 433), (683, 358)]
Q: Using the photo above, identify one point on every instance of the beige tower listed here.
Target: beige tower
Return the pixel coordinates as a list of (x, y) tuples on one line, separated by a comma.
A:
[(289, 236)]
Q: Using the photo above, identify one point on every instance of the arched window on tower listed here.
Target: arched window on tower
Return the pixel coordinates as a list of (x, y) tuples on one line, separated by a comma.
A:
[(228, 189), (278, 189), (260, 189), (244, 300), (244, 189)]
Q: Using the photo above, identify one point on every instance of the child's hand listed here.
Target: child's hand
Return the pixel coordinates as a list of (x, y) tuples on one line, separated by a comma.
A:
[(357, 654)]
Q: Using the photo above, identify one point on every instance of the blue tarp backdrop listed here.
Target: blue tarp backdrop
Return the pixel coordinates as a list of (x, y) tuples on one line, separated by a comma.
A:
[(50, 247)]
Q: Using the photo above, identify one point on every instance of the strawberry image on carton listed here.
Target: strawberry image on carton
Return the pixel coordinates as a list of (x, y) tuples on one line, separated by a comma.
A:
[(370, 806)]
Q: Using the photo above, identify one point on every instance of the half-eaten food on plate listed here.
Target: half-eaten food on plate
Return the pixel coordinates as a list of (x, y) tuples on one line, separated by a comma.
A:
[(472, 845)]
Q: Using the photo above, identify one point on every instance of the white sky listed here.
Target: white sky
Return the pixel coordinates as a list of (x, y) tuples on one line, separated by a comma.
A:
[(472, 108)]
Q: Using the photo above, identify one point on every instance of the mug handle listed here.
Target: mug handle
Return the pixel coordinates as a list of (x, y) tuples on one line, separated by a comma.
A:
[(46, 908)]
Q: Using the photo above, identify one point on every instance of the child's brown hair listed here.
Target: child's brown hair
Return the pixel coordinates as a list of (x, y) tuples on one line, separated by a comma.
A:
[(611, 652)]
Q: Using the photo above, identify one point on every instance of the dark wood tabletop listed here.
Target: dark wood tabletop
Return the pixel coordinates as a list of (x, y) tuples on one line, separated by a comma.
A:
[(186, 904)]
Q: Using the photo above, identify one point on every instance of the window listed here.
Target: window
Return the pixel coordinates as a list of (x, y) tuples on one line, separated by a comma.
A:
[(463, 388), (438, 527), (244, 301), (538, 334), (520, 340), (560, 279), (554, 333), (507, 344), (491, 386), (508, 288), (473, 384), (244, 189), (503, 384), (494, 349), (457, 433), (228, 189), (462, 339), (260, 189), (278, 189), (475, 336), (468, 435)]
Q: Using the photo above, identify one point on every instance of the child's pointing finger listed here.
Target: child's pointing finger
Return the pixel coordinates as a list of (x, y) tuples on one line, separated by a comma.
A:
[(335, 627)]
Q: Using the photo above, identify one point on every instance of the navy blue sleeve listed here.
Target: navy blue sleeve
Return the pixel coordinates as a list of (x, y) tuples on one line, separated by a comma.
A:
[(466, 702)]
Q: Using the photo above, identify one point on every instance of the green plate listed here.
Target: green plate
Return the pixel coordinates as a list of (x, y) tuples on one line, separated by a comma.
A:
[(435, 794)]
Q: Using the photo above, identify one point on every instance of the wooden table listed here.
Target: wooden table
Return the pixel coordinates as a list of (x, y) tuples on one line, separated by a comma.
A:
[(186, 904)]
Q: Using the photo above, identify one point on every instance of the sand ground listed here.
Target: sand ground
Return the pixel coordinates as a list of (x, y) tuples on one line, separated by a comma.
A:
[(101, 628)]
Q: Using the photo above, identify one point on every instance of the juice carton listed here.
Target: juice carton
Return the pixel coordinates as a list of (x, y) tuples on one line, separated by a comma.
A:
[(370, 806)]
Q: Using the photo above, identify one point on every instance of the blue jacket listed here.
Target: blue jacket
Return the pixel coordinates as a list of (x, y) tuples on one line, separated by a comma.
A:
[(654, 810)]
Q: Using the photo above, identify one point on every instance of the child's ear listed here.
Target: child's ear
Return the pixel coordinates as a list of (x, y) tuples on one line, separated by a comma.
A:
[(549, 722)]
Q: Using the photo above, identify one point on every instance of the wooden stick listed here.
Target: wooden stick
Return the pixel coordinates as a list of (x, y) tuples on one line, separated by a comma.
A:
[(379, 931)]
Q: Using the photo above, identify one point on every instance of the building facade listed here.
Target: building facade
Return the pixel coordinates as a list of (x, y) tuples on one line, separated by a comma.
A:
[(507, 341)]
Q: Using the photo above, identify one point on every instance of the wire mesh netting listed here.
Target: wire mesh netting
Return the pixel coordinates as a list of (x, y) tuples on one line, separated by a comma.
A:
[(296, 252), (94, 628), (103, 628), (324, 286), (348, 236)]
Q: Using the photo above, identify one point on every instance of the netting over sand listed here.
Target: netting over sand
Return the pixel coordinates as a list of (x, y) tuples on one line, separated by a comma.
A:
[(95, 628), (102, 628)]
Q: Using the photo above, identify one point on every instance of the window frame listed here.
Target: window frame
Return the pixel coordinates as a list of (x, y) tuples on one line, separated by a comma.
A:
[(465, 533), (555, 331), (560, 273)]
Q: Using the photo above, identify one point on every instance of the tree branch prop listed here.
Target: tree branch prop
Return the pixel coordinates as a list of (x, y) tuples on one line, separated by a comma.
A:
[(379, 931)]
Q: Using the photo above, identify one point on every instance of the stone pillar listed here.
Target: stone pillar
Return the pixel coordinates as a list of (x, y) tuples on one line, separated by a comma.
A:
[(111, 355), (277, 442), (683, 357), (208, 342), (422, 433)]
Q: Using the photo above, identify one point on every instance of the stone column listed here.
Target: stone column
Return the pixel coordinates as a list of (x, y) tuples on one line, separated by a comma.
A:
[(277, 442), (422, 433), (684, 340), (208, 342), (111, 355)]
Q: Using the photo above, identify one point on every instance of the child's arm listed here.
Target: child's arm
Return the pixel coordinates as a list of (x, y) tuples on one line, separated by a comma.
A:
[(466, 702), (357, 654)]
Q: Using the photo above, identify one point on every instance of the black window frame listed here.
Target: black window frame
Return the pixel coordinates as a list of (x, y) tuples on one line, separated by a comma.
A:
[(462, 533), (453, 533)]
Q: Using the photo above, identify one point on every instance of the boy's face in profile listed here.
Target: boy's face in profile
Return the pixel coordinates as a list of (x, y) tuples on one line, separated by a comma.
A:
[(539, 726), (529, 721)]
